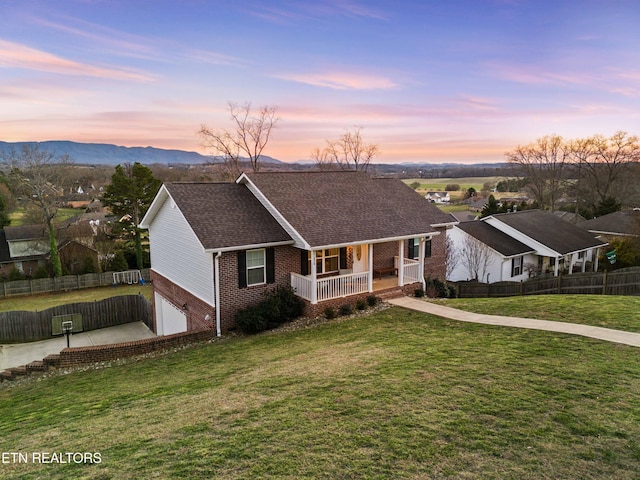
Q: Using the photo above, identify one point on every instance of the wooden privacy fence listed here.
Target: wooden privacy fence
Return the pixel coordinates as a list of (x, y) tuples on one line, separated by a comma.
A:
[(60, 284), (22, 326), (625, 281)]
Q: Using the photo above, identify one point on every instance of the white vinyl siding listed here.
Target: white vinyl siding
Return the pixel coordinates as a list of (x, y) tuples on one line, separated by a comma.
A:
[(177, 254)]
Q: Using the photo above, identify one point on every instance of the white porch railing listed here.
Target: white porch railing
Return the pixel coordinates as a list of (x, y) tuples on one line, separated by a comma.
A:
[(330, 287), (411, 271)]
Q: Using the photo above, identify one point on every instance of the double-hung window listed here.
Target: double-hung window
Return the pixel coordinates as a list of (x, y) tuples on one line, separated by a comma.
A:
[(516, 266), (256, 267)]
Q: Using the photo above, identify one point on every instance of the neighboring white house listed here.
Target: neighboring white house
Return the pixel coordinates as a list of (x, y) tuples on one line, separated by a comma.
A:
[(513, 246), (438, 197)]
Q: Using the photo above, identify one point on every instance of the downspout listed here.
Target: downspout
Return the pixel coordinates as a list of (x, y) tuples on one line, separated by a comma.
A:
[(216, 288)]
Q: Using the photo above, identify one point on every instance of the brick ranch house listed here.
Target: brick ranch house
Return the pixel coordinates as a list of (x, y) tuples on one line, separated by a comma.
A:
[(334, 237)]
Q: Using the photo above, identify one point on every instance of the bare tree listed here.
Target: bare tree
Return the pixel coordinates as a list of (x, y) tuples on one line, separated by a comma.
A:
[(247, 139), (544, 164), (40, 177), (452, 255), (324, 160), (476, 257), (349, 152), (605, 167)]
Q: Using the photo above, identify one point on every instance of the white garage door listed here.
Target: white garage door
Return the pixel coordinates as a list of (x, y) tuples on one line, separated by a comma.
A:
[(169, 318)]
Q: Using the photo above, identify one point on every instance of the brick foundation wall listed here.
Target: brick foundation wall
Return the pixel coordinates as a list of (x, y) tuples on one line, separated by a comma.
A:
[(319, 308), (76, 356), (196, 310)]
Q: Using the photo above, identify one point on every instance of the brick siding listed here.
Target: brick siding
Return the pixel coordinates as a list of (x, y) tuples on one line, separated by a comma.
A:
[(196, 310)]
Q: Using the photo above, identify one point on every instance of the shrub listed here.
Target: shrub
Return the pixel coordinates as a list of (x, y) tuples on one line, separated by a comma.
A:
[(345, 309), (329, 313), (418, 293), (361, 304), (280, 305), (15, 274), (250, 320), (41, 272), (453, 291), (440, 288), (372, 300)]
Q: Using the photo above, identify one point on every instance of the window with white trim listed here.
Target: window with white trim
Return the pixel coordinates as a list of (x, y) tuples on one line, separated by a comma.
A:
[(256, 267), (516, 266), (327, 261)]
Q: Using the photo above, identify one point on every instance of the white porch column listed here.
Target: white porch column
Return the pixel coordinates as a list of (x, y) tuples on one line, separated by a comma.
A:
[(421, 254), (595, 262), (400, 263), (556, 266), (584, 262), (571, 262), (370, 267), (314, 278)]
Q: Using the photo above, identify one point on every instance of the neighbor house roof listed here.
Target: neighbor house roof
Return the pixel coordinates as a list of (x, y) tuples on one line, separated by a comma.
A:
[(549, 230), (225, 215), (26, 232), (499, 241), (625, 222), (337, 208)]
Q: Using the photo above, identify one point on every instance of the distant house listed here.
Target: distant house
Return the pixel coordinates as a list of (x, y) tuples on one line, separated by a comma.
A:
[(438, 197), (477, 204), (622, 224), (217, 247), (520, 243), (570, 217)]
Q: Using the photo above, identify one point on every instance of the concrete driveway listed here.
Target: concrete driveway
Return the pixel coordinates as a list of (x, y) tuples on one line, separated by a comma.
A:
[(15, 355)]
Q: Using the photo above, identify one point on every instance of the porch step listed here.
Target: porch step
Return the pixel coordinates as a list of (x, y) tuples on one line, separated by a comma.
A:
[(389, 294)]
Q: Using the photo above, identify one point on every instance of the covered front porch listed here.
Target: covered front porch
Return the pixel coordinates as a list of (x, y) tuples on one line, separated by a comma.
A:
[(364, 273)]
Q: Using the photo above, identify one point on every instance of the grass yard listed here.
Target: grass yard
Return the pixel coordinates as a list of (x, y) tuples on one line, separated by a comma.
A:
[(609, 311), (393, 395), (44, 301), (17, 217)]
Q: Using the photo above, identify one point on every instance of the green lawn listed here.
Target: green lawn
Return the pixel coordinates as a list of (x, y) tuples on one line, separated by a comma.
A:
[(609, 311), (393, 395), (42, 302), (17, 216)]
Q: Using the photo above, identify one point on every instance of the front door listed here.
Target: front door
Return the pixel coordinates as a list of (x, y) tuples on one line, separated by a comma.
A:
[(360, 258)]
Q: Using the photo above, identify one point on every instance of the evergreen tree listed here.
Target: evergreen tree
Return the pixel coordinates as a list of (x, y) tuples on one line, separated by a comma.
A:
[(129, 195)]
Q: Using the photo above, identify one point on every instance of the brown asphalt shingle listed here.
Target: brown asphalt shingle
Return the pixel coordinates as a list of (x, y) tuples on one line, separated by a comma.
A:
[(331, 208), (224, 215)]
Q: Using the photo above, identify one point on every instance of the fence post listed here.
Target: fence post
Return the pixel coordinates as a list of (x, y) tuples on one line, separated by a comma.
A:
[(604, 283), (521, 288), (560, 283)]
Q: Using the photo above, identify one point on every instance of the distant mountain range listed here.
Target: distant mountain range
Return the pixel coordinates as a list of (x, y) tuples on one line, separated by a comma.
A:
[(107, 154)]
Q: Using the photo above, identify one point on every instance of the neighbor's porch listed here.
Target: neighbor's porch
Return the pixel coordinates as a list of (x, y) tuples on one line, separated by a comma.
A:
[(363, 275)]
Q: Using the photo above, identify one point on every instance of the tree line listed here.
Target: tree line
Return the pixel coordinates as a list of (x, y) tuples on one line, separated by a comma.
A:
[(602, 174)]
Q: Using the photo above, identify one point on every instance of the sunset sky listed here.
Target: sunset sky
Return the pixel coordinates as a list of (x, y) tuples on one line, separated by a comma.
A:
[(428, 81)]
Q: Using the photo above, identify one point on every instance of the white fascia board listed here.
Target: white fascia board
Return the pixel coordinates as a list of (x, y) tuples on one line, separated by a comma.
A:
[(248, 247), (377, 240), (299, 241), (447, 225), (159, 199)]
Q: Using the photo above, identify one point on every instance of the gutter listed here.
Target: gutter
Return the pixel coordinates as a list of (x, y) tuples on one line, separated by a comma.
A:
[(216, 288)]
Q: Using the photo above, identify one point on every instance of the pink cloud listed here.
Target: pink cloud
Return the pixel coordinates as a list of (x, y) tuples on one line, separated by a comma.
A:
[(341, 80), (15, 55)]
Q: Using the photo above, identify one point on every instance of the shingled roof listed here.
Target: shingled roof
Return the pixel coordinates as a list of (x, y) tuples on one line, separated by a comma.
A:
[(225, 215), (625, 222), (499, 241), (549, 230), (338, 208)]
